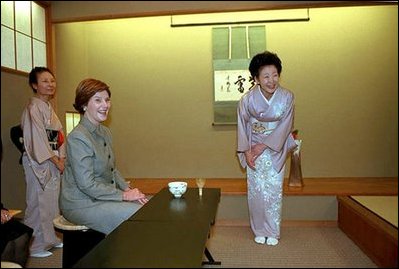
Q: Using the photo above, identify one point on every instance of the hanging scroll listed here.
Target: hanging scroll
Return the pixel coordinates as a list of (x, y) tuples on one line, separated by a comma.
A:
[(233, 47)]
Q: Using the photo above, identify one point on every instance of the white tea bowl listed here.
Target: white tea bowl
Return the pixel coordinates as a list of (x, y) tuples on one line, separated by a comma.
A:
[(177, 188)]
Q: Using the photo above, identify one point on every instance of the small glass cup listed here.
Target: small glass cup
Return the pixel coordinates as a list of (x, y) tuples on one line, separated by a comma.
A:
[(200, 184)]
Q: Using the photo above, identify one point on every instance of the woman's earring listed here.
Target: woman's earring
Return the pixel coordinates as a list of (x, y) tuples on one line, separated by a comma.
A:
[(84, 108)]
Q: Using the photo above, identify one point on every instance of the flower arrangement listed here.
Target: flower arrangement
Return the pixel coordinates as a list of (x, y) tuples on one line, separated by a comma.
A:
[(295, 178)]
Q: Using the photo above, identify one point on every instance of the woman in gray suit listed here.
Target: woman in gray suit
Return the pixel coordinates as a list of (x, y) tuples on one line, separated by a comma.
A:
[(93, 192)]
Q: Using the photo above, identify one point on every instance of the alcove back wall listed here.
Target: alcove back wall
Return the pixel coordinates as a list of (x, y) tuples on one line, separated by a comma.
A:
[(341, 65)]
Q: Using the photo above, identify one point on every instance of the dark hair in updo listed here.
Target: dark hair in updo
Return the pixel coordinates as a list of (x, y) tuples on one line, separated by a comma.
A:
[(262, 59), (33, 75), (85, 90)]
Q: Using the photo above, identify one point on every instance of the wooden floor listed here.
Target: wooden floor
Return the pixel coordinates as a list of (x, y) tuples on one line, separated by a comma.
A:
[(312, 186)]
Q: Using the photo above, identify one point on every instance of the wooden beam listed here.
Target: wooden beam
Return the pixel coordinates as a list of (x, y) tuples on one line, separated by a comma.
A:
[(312, 186)]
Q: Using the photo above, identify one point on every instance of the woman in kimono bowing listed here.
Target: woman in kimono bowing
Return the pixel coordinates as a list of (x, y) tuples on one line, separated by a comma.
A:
[(264, 125), (93, 192)]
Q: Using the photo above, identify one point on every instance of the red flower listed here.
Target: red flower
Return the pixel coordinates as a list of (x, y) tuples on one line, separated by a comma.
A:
[(295, 134)]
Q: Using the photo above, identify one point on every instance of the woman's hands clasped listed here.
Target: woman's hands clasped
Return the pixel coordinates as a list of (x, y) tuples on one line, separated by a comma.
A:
[(59, 163), (252, 154), (134, 194)]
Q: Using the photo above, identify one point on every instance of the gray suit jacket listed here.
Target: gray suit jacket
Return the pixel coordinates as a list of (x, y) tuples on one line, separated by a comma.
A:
[(90, 175)]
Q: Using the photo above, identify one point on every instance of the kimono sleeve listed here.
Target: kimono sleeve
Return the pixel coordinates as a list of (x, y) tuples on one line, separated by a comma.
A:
[(35, 136), (243, 133), (276, 140)]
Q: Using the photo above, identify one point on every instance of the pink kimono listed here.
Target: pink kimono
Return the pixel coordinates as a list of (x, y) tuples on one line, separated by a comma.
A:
[(268, 122), (41, 128)]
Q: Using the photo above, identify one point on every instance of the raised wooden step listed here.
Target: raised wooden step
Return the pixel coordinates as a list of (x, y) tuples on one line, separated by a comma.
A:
[(312, 186)]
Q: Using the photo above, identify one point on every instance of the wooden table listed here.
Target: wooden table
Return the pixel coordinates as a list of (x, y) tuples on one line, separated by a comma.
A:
[(165, 232), (164, 207)]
